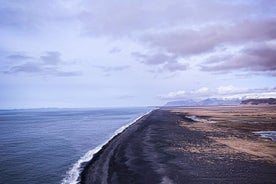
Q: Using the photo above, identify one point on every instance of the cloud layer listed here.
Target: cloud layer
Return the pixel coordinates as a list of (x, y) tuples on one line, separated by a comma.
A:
[(197, 41), (165, 62), (48, 64), (225, 92), (260, 59), (106, 50), (170, 32)]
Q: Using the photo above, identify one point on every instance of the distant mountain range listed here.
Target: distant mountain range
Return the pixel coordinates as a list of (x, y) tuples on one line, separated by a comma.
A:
[(270, 101), (206, 102)]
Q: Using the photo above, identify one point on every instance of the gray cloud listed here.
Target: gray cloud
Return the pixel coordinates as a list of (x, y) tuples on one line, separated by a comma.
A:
[(178, 28), (10, 16), (164, 61), (26, 68), (59, 73), (9, 59), (51, 58), (121, 18), (190, 41), (115, 50), (258, 59), (30, 15), (18, 57), (175, 67), (154, 59), (19, 14), (106, 18), (36, 68), (108, 69), (48, 64)]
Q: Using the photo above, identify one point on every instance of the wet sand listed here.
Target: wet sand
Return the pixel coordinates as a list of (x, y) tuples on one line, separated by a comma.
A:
[(167, 147)]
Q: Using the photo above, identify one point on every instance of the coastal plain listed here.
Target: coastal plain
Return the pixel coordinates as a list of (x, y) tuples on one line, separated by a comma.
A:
[(190, 145)]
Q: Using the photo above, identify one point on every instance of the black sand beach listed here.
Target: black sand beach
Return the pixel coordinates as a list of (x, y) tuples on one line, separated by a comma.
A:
[(166, 147)]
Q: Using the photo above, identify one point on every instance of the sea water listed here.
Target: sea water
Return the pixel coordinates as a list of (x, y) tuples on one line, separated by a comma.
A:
[(49, 146)]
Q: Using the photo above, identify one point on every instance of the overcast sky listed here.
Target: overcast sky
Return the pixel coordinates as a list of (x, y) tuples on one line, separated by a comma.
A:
[(98, 53)]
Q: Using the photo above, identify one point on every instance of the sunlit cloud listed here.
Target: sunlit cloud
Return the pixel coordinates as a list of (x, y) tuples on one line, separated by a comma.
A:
[(221, 92)]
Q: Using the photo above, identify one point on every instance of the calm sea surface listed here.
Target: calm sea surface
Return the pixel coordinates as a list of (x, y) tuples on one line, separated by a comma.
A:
[(48, 145)]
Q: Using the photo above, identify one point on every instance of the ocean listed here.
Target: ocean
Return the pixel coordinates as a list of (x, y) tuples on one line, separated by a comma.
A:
[(50, 146)]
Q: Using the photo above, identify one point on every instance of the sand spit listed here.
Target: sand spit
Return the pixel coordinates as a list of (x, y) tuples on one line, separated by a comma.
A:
[(167, 147)]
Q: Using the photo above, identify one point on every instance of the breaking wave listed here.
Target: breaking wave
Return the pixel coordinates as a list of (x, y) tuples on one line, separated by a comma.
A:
[(73, 175)]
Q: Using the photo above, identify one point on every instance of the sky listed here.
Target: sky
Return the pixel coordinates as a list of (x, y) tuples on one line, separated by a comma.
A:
[(114, 53)]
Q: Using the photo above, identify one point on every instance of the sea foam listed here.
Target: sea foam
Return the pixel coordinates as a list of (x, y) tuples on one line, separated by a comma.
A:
[(73, 175)]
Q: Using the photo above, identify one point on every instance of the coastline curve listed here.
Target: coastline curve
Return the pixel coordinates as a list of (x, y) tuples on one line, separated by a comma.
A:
[(73, 174)]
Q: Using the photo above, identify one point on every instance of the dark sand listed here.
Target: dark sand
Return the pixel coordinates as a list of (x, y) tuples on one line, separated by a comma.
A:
[(166, 147)]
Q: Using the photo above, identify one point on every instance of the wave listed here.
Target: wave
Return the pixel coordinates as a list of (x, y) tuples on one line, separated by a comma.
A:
[(72, 176)]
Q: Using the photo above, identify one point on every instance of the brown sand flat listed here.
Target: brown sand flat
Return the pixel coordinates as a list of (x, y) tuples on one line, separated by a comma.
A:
[(167, 147), (237, 124)]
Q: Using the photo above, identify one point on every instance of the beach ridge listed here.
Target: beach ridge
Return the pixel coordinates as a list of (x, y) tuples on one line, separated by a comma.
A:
[(165, 146)]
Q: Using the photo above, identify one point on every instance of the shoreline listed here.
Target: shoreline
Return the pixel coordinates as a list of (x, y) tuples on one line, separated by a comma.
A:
[(162, 147), (74, 174), (109, 143)]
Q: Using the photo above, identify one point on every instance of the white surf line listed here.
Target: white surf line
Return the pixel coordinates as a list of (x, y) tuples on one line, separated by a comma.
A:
[(73, 174)]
